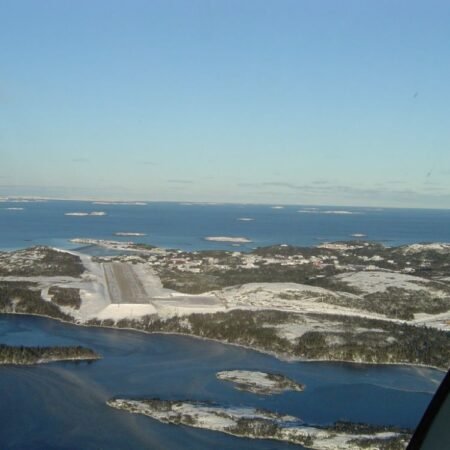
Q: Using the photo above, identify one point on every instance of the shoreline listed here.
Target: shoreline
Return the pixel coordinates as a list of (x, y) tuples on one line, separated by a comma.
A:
[(279, 356), (49, 361)]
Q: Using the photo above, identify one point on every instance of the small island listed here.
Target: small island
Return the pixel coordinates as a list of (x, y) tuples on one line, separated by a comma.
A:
[(259, 382), (86, 214), (257, 423), (20, 355), (129, 233), (228, 239)]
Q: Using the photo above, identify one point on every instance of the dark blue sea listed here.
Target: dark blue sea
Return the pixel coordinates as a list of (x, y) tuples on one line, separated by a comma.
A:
[(63, 405), (184, 226)]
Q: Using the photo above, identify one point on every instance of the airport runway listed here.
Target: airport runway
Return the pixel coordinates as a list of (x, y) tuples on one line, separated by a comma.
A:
[(124, 286)]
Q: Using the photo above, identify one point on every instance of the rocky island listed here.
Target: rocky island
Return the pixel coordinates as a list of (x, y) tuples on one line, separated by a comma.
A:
[(259, 382), (263, 424)]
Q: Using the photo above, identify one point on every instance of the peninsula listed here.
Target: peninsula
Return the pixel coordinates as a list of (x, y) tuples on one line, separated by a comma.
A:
[(16, 355), (355, 301)]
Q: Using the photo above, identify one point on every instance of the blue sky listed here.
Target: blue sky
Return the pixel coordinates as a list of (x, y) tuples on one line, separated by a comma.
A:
[(304, 102)]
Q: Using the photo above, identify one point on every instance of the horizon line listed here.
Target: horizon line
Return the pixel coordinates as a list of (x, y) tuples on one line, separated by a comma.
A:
[(199, 202)]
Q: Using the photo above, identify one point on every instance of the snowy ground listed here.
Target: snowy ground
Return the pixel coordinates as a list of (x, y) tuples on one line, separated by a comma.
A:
[(441, 247), (291, 297), (371, 281), (119, 290), (118, 311)]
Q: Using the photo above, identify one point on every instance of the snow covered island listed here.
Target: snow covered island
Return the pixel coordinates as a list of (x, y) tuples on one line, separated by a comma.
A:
[(263, 424), (235, 240), (85, 214), (129, 233), (259, 382)]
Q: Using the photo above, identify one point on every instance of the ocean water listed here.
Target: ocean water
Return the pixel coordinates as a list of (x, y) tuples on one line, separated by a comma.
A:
[(62, 405), (184, 226)]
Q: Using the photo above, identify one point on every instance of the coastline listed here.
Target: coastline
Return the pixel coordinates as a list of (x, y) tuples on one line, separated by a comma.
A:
[(279, 356), (30, 355), (49, 361)]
